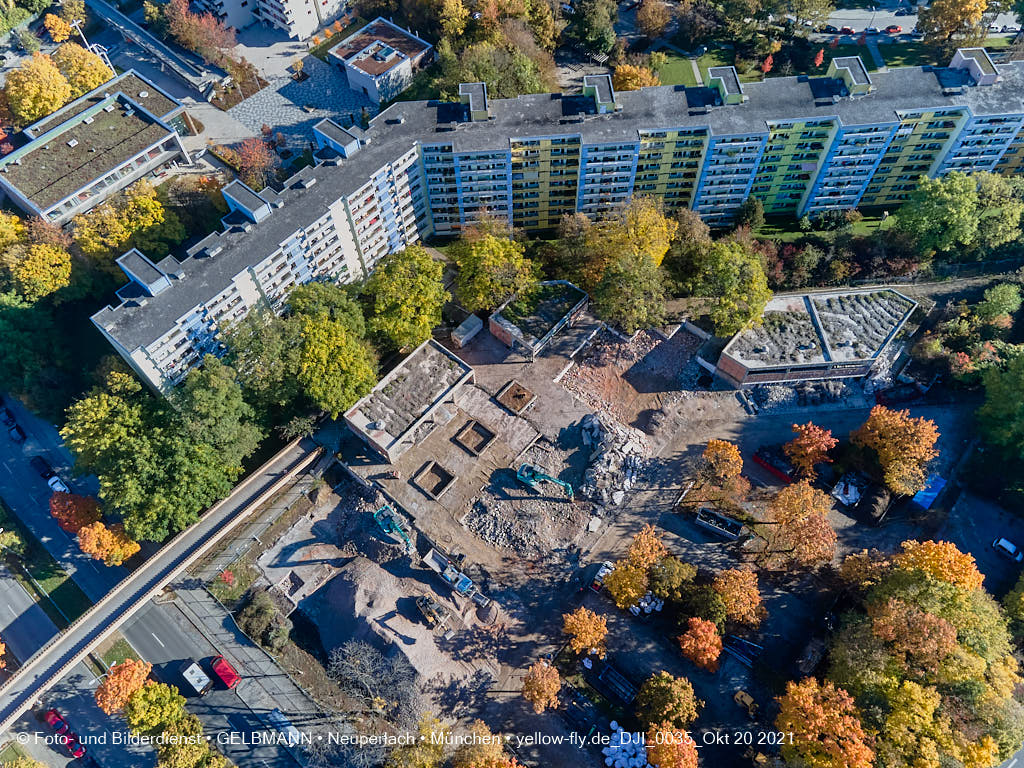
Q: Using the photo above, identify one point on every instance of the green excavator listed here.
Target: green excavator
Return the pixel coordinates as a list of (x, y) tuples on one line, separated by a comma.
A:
[(532, 476), (391, 524)]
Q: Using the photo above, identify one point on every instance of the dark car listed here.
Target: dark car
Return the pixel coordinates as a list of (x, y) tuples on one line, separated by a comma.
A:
[(830, 29), (16, 433), (6, 417), (42, 466), (904, 12)]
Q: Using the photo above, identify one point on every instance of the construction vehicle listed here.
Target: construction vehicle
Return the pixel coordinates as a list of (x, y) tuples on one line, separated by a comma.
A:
[(435, 613), (532, 476), (746, 701), (390, 523)]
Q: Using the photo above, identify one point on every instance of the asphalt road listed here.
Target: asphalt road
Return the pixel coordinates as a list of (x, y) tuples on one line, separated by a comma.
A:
[(24, 625)]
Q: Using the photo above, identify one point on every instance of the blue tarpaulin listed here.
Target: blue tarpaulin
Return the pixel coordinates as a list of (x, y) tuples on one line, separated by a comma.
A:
[(927, 495)]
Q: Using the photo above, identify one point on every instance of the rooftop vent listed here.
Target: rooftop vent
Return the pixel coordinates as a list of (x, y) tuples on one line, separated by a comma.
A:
[(277, 203), (88, 120), (129, 112), (214, 250), (108, 108), (144, 94), (73, 143), (306, 183)]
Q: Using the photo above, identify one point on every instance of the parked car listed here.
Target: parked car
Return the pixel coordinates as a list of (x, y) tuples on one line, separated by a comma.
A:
[(598, 582), (847, 31), (60, 726), (225, 672), (16, 433), (893, 29), (871, 30), (1011, 30), (994, 28), (1007, 548), (830, 29), (6, 417), (42, 466), (55, 721), (197, 680), (904, 12)]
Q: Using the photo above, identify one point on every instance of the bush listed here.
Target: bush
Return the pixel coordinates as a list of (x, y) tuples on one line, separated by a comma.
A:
[(260, 620)]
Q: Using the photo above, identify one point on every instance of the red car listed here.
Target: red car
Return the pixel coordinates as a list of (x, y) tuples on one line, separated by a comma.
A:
[(894, 29), (64, 736), (225, 672), (847, 31)]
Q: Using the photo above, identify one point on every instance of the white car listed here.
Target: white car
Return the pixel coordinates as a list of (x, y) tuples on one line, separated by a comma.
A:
[(56, 484), (598, 582), (1007, 548)]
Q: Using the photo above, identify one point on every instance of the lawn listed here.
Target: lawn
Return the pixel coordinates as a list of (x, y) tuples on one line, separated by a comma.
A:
[(909, 54), (11, 753), (422, 87), (115, 650), (39, 573), (785, 229), (846, 49), (677, 70), (722, 57)]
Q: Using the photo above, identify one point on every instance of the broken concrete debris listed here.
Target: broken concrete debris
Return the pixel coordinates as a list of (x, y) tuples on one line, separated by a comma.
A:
[(616, 461)]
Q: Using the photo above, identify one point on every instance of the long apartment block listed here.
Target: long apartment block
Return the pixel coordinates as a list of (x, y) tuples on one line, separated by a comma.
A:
[(801, 145)]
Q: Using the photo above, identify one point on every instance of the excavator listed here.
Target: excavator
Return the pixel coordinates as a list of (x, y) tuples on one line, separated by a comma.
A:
[(391, 524), (530, 475)]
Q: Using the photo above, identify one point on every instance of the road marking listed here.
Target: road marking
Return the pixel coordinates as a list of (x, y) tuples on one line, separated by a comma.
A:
[(158, 640), (13, 612), (1012, 763)]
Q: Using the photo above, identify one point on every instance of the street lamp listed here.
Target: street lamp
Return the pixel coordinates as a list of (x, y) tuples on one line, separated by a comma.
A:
[(97, 49)]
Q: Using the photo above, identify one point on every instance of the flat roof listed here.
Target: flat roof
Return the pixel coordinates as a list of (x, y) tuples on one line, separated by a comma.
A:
[(856, 68), (396, 405), (335, 131), (806, 329), (79, 150), (405, 124), (729, 78), (372, 48)]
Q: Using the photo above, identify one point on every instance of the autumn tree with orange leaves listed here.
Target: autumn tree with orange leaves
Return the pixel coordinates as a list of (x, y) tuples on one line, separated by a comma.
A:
[(810, 446), (107, 543), (941, 560), (647, 548), (741, 596), (923, 640), (798, 531), (587, 631), (669, 747), (722, 462), (903, 444), (3, 652), (256, 162), (541, 686), (121, 682), (826, 727), (484, 750), (701, 643), (73, 512)]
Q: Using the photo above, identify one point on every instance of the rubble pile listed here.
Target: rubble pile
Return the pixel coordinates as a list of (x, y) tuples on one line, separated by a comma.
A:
[(625, 749), (617, 458), (771, 397)]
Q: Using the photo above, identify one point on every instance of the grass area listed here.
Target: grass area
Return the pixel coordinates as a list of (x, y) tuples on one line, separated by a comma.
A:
[(245, 574), (909, 54), (722, 57), (422, 87), (12, 753), (786, 229), (320, 49), (677, 70), (115, 650), (846, 49), (59, 596)]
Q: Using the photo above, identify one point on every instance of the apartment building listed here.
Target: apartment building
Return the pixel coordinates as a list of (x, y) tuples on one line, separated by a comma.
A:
[(801, 145), (298, 18), (72, 160), (380, 59)]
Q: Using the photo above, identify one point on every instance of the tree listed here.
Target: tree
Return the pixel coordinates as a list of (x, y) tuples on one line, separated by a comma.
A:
[(83, 69), (383, 683), (506, 69), (107, 543), (1001, 416), (28, 41), (59, 29), (3, 653), (750, 214), (810, 447), (669, 577), (335, 368), (914, 726), (631, 77), (941, 213), (703, 601), (425, 752), (1013, 606), (135, 216), (492, 270), (647, 548), (35, 89), (666, 699), (941, 560), (652, 18), (903, 445), (1000, 210), (670, 747), (1000, 300), (730, 278), (701, 643), (256, 163), (408, 295), (202, 33), (213, 410), (798, 531), (950, 24), (483, 750), (121, 682), (631, 294), (261, 621), (767, 64), (73, 512), (586, 630), (41, 270), (154, 707), (741, 596), (453, 18), (541, 685), (922, 639), (722, 462), (819, 57), (330, 301), (626, 584), (73, 10), (23, 762), (12, 230), (826, 727), (592, 23)]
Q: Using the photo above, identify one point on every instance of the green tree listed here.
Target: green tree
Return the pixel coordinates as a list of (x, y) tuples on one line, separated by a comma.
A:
[(664, 698), (731, 279), (214, 411), (631, 294), (592, 23), (750, 214), (942, 214), (492, 269), (1001, 417), (335, 368), (669, 577), (153, 708), (1002, 299), (1000, 208), (265, 350), (335, 302), (408, 295), (36, 88)]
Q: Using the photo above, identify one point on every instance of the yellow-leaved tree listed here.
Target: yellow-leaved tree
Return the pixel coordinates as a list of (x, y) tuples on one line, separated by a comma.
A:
[(83, 69), (36, 88)]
